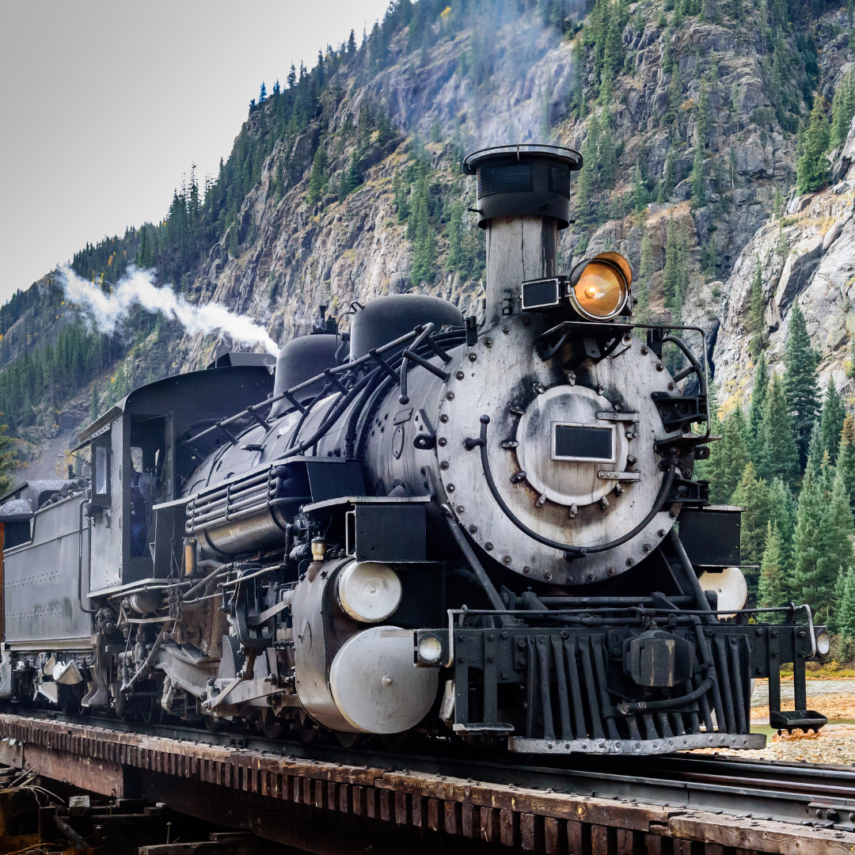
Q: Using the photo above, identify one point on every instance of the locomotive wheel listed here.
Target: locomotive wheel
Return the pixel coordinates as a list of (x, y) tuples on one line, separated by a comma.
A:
[(69, 700), (348, 740), (214, 725), (150, 711), (271, 726), (310, 734)]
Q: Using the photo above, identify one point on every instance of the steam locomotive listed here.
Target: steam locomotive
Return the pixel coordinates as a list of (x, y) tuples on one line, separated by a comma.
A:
[(464, 528)]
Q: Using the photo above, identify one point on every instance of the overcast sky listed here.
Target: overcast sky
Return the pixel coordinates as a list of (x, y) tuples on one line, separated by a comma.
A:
[(107, 103)]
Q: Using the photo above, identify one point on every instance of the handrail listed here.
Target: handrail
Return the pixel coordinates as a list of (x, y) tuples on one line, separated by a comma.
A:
[(327, 375)]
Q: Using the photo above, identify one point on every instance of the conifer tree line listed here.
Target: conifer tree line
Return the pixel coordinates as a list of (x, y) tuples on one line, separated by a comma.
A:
[(330, 161), (789, 462), (789, 59)]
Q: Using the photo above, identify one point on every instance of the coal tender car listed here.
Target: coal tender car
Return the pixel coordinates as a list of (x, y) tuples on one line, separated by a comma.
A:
[(456, 527)]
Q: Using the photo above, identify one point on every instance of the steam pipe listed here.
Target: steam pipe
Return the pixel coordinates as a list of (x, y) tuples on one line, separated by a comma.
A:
[(692, 578), (475, 564), (80, 563)]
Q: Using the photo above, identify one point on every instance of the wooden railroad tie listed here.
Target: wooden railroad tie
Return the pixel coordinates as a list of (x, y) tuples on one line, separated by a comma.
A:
[(502, 814)]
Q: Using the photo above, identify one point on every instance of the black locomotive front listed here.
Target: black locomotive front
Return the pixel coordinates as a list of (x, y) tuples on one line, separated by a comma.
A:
[(483, 528)]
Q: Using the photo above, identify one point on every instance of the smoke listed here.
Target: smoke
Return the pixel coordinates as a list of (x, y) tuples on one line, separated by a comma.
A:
[(137, 288)]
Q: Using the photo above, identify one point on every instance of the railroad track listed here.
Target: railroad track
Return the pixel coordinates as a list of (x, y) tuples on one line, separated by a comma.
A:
[(731, 794)]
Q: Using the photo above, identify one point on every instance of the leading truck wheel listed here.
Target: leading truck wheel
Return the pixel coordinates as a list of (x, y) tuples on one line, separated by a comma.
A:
[(69, 700), (348, 740), (214, 725), (271, 726)]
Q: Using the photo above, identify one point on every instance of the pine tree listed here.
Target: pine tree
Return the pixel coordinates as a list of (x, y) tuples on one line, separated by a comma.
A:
[(839, 560), (607, 156), (613, 47), (94, 404), (813, 167), (675, 93), (666, 187), (831, 421), (819, 455), (351, 179), (778, 203), (843, 616), (758, 401), (704, 118), (667, 53), (645, 270), (318, 176), (696, 180), (809, 584), (456, 254), (728, 459), (822, 544), (783, 511), (752, 495), (757, 311), (672, 273), (8, 460), (846, 458), (588, 176), (777, 436), (842, 110), (801, 380), (772, 587), (639, 191), (401, 202), (423, 237)]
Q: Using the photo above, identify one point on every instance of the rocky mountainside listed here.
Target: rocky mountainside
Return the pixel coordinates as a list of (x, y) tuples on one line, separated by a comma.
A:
[(690, 115), (807, 256)]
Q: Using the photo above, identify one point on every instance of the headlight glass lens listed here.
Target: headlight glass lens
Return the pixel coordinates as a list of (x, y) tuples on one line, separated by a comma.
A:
[(601, 290), (823, 643), (430, 650)]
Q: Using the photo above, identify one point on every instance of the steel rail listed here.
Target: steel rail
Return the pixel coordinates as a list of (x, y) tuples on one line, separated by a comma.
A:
[(781, 791)]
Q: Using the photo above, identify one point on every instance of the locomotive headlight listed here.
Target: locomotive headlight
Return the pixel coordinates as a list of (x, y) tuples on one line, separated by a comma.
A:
[(369, 592), (599, 287), (429, 650)]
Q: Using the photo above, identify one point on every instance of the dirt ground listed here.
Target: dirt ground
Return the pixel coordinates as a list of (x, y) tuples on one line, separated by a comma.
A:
[(834, 744), (836, 707)]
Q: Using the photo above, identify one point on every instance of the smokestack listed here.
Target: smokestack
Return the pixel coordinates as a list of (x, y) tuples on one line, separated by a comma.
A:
[(523, 202)]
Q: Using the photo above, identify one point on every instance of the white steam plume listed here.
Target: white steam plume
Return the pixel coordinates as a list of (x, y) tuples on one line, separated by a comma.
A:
[(137, 288)]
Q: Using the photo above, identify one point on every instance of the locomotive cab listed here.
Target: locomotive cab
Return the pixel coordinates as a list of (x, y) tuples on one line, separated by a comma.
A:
[(139, 462)]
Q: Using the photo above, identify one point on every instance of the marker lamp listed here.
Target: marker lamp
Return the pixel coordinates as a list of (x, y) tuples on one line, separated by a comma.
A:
[(430, 650)]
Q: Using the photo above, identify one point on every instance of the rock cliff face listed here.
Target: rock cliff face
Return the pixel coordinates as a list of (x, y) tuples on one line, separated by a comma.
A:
[(697, 131), (806, 257)]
